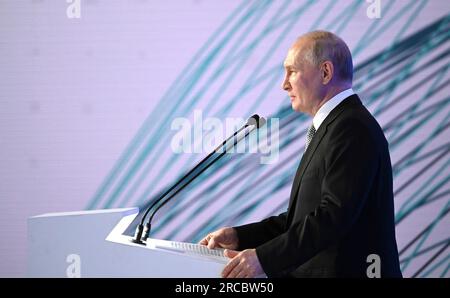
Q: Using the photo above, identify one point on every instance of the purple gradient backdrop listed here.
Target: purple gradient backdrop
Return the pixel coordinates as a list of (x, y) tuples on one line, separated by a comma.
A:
[(74, 92)]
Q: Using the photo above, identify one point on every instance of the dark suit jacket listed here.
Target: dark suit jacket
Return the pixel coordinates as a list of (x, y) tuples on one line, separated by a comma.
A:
[(341, 208)]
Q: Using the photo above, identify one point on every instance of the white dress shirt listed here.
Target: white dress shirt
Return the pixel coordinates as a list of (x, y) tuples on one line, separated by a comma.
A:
[(327, 107)]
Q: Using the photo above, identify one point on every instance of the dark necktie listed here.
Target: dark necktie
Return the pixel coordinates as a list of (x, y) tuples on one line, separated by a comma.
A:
[(310, 135)]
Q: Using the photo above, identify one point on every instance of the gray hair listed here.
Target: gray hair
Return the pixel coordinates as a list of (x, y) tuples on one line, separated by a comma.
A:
[(327, 46)]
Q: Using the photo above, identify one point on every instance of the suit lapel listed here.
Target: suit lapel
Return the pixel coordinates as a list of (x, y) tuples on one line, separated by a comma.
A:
[(306, 158)]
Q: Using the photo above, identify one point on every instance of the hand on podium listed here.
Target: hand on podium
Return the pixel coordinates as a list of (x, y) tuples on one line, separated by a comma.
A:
[(242, 263), (222, 238)]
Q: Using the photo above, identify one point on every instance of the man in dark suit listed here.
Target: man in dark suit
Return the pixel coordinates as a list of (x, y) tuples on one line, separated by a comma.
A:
[(340, 219)]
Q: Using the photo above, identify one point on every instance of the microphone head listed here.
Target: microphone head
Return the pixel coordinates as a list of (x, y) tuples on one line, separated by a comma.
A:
[(256, 120), (261, 122)]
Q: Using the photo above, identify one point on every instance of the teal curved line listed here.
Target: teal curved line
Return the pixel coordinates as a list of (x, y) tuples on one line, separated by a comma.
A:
[(417, 150), (213, 191), (437, 265), (425, 236), (411, 160), (276, 75), (402, 30), (411, 115), (250, 209), (367, 35), (210, 198), (149, 120), (439, 76), (345, 13), (427, 249), (405, 210), (230, 173), (401, 213), (423, 156), (348, 18), (426, 118), (396, 140), (405, 73), (241, 92), (408, 133), (325, 12), (221, 89), (401, 49), (405, 207), (140, 180), (250, 82), (412, 18), (155, 141), (235, 202), (279, 184), (444, 273), (219, 219), (273, 24)]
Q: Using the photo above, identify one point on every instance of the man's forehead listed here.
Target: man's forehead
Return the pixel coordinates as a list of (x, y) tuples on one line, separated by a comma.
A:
[(298, 48), (290, 58)]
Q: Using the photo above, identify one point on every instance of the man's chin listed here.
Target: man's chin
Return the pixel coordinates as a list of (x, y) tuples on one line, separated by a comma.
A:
[(296, 107)]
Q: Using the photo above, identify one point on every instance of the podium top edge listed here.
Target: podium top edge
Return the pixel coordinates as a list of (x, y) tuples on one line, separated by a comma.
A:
[(124, 211)]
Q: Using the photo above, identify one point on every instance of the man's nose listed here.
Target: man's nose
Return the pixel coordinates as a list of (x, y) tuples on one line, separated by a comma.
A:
[(285, 85)]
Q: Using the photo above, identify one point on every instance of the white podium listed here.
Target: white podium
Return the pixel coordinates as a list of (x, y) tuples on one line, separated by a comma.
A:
[(92, 244)]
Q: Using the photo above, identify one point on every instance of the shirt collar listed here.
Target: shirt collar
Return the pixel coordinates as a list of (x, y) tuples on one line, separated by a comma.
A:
[(327, 107)]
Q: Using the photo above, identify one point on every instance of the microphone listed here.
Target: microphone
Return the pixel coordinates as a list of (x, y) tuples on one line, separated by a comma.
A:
[(142, 233)]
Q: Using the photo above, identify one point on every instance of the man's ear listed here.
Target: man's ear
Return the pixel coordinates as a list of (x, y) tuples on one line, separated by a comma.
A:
[(327, 70)]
